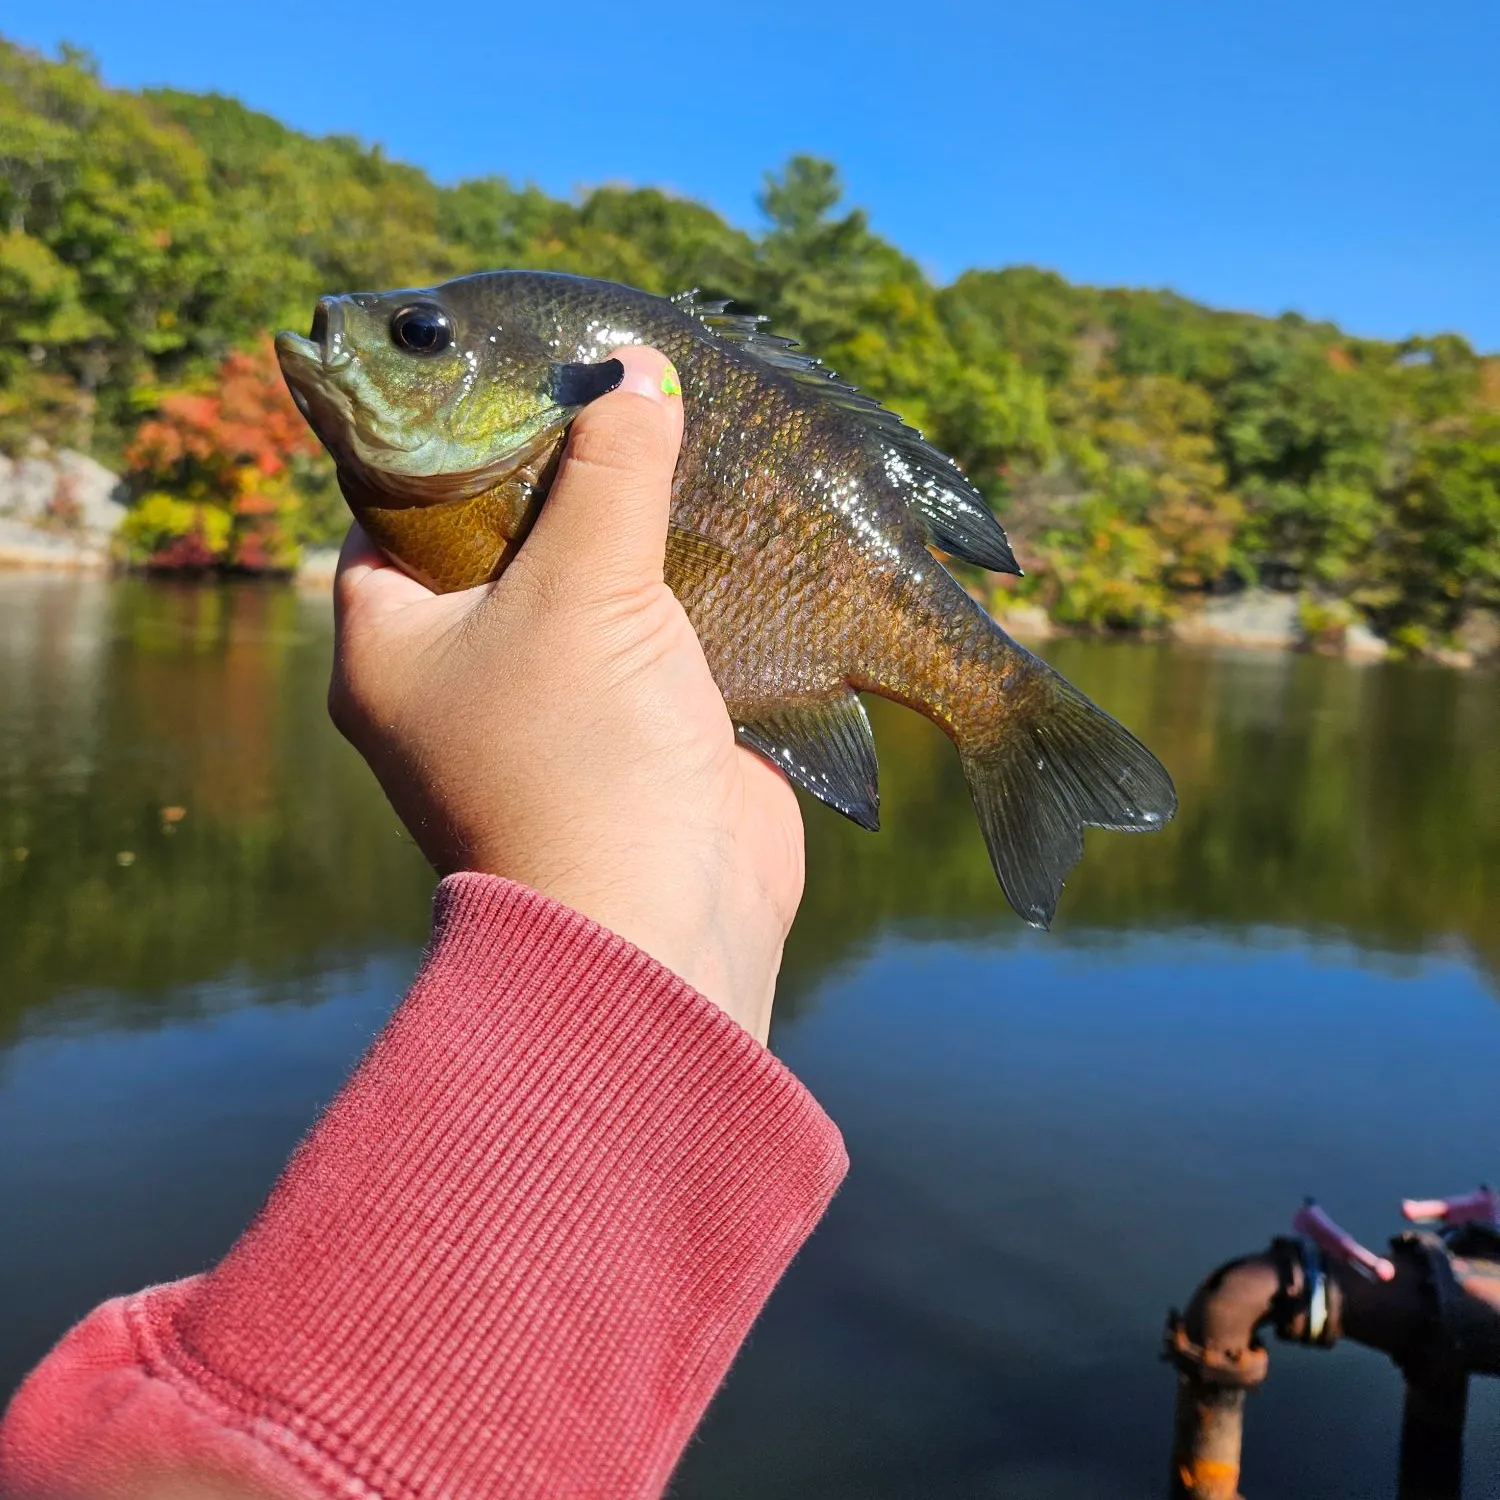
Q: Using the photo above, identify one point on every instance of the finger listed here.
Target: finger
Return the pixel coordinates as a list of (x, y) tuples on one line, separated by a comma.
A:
[(367, 580), (1481, 1206), (606, 516), (1314, 1222), (370, 594), (357, 556), (764, 777), (1423, 1210)]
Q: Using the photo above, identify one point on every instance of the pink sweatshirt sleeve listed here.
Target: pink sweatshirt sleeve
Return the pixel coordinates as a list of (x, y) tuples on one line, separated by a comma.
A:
[(514, 1259)]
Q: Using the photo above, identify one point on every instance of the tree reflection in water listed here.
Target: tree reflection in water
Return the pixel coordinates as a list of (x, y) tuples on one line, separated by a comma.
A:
[(1359, 803)]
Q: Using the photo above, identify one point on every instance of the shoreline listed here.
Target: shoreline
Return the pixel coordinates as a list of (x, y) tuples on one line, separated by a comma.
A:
[(51, 553), (1027, 624), (45, 555)]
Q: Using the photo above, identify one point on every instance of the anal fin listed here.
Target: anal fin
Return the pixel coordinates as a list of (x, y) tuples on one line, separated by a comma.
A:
[(823, 745)]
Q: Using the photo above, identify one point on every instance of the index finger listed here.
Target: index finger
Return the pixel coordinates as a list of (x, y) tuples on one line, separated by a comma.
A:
[(366, 575)]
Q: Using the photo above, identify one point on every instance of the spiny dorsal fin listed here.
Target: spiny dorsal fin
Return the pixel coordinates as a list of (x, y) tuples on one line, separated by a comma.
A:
[(954, 512), (823, 745)]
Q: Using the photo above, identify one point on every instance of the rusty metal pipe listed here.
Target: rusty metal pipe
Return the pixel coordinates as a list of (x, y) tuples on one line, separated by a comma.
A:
[(1228, 1310), (1437, 1317), (1207, 1442), (1215, 1345)]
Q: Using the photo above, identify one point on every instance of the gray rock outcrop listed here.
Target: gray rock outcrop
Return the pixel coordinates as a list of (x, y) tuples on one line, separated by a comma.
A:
[(1254, 617), (57, 509), (1479, 635), (65, 490)]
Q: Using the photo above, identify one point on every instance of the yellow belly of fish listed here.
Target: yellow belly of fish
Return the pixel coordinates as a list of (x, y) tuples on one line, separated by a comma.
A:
[(455, 544)]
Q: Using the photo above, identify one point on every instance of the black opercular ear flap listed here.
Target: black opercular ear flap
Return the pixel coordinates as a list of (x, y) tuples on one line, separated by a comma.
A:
[(577, 385)]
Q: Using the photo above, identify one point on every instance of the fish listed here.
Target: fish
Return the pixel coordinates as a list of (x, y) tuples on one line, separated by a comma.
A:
[(804, 518)]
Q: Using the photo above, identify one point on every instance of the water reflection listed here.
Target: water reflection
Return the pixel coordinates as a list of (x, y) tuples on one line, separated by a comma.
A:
[(1292, 989), (120, 701), (1342, 802), (1359, 803)]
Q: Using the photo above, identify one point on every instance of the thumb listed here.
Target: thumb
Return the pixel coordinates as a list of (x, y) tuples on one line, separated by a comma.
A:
[(608, 506)]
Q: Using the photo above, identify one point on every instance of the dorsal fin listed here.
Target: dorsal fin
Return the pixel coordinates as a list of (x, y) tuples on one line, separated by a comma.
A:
[(953, 511)]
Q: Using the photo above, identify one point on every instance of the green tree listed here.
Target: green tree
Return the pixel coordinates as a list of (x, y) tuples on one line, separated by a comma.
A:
[(1141, 447), (1440, 560)]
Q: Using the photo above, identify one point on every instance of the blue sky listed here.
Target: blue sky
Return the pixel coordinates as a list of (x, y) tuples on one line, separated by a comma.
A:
[(1338, 158)]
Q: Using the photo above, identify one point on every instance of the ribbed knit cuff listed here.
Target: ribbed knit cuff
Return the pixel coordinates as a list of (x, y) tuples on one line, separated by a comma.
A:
[(517, 1255)]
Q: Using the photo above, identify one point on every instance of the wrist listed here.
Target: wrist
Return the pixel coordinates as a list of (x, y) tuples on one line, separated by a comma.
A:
[(725, 946)]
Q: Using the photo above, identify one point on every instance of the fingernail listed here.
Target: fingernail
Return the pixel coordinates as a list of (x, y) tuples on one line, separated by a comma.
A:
[(648, 373)]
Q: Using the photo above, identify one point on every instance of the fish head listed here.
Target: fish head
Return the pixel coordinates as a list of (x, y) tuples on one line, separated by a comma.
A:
[(425, 395)]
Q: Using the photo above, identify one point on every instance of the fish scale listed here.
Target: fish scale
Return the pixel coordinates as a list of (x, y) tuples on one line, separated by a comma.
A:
[(802, 526)]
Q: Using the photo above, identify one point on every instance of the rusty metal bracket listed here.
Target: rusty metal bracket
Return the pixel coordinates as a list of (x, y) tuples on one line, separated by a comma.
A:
[(1435, 1311), (1307, 1309), (1240, 1369)]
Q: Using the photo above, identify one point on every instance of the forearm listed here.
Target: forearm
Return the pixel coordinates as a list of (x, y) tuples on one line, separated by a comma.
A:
[(514, 1259)]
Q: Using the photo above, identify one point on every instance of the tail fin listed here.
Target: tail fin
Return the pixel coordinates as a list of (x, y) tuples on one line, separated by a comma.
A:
[(1061, 763)]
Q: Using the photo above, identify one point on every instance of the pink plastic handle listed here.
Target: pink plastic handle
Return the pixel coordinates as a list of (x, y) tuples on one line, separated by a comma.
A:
[(1482, 1206), (1311, 1221)]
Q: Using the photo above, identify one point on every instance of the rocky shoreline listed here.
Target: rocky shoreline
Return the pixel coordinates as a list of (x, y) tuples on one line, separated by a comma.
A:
[(1260, 619), (33, 548), (60, 511), (57, 510), (1256, 620), (25, 546)]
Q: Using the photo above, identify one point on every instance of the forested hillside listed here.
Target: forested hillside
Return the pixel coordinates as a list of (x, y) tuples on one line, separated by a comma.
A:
[(1142, 448)]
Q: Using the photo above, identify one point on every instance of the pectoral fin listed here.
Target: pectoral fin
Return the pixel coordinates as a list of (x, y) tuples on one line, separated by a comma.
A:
[(693, 559), (823, 745)]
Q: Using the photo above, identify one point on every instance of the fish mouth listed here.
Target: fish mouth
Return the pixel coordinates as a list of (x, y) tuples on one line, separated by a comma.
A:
[(293, 349), (321, 372), (320, 395), (324, 351), (327, 334)]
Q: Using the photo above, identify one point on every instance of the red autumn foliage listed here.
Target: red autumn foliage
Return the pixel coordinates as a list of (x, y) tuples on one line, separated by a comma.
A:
[(219, 463), (188, 554), (248, 419), (252, 554), (256, 504)]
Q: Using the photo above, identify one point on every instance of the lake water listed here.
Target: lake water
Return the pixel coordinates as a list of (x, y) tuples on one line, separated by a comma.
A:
[(1291, 991)]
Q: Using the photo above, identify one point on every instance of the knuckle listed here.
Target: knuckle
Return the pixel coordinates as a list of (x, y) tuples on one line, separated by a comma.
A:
[(351, 611), (539, 584), (344, 593)]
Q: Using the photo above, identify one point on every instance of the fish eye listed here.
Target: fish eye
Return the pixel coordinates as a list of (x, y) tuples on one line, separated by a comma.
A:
[(422, 328)]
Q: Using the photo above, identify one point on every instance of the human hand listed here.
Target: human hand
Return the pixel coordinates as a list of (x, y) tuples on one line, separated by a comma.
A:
[(1338, 1244), (1479, 1207), (560, 726)]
